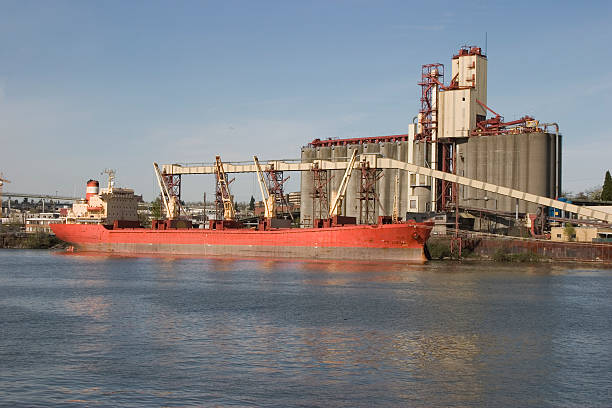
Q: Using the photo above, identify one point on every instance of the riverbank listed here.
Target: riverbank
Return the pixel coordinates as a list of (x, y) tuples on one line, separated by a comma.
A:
[(20, 240), (476, 248), (514, 249)]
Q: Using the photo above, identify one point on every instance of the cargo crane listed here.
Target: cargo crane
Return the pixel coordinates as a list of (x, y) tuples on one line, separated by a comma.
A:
[(171, 202), (224, 198), (269, 197), (335, 207), (387, 163), (2, 181), (269, 200)]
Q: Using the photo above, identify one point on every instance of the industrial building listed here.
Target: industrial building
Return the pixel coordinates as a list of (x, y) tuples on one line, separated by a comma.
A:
[(455, 131)]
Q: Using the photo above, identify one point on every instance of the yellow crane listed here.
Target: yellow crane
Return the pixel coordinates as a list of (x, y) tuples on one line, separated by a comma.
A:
[(171, 202), (336, 205), (2, 181), (229, 213), (269, 200)]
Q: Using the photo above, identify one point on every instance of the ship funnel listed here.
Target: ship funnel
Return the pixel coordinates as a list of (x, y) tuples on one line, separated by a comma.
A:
[(93, 188)]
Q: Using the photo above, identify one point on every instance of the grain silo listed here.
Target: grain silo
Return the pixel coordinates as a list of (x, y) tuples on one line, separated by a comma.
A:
[(455, 131)]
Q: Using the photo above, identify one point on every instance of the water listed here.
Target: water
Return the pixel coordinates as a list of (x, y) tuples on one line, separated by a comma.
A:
[(126, 331)]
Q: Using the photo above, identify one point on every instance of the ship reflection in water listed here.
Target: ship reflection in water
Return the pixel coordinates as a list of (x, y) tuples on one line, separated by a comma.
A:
[(167, 331)]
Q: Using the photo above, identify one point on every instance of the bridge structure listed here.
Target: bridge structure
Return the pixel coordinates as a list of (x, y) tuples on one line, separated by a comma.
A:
[(42, 196), (385, 163)]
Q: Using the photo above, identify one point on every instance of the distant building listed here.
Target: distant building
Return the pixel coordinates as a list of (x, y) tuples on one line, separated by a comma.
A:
[(582, 234), (41, 222), (292, 199)]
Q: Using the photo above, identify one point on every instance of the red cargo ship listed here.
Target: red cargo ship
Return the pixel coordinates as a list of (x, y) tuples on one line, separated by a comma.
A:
[(107, 221), (389, 242)]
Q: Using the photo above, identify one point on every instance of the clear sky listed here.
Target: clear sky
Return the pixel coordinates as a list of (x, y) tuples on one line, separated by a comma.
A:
[(86, 85)]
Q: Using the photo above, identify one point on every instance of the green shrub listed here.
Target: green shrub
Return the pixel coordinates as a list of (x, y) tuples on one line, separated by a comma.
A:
[(502, 255), (570, 231), (40, 240), (439, 249)]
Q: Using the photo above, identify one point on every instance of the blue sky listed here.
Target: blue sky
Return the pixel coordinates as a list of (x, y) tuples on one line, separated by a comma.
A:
[(86, 85)]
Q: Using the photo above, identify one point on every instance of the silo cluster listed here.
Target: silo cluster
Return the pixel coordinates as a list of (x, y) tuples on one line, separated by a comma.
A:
[(385, 187), (520, 154)]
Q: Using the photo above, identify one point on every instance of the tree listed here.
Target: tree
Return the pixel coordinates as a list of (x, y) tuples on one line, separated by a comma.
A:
[(606, 192), (570, 231), (252, 204), (156, 209), (144, 220), (592, 194)]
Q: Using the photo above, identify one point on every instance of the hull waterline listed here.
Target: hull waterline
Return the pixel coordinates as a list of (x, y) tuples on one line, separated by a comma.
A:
[(389, 242)]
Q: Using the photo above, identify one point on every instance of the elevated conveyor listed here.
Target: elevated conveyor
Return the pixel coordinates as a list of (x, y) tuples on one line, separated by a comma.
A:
[(385, 163)]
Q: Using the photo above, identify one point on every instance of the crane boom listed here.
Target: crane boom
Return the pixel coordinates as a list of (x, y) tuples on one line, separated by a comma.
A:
[(334, 208), (164, 190), (229, 213), (3, 180), (387, 163), (268, 199)]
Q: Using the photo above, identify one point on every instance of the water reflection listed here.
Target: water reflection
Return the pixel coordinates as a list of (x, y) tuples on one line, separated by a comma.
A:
[(95, 307)]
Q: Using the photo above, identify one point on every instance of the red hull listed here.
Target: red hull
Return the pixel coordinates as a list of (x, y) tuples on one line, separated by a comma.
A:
[(396, 242)]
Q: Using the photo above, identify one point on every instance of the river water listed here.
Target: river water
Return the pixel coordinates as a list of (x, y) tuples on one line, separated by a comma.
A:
[(92, 330)]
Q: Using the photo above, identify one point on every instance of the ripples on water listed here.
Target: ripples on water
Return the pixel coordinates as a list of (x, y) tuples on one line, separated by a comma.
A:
[(80, 330)]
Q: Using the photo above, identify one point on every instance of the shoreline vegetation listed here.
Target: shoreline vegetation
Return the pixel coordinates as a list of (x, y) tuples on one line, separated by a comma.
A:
[(39, 240), (440, 250)]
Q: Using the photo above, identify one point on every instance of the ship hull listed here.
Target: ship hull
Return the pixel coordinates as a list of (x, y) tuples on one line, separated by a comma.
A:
[(391, 242)]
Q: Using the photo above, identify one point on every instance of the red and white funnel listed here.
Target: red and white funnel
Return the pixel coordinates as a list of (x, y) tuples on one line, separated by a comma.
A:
[(93, 188)]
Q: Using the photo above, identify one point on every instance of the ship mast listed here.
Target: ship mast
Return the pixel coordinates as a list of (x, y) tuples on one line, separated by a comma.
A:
[(111, 178)]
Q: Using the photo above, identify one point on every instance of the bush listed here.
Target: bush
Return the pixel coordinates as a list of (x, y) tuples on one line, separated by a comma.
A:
[(526, 257), (40, 240), (502, 255), (439, 249), (570, 231)]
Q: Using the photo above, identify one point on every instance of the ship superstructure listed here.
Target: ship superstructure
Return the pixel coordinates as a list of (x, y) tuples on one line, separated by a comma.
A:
[(105, 205)]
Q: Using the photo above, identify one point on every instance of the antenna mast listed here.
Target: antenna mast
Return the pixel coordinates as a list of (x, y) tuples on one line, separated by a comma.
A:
[(111, 178)]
